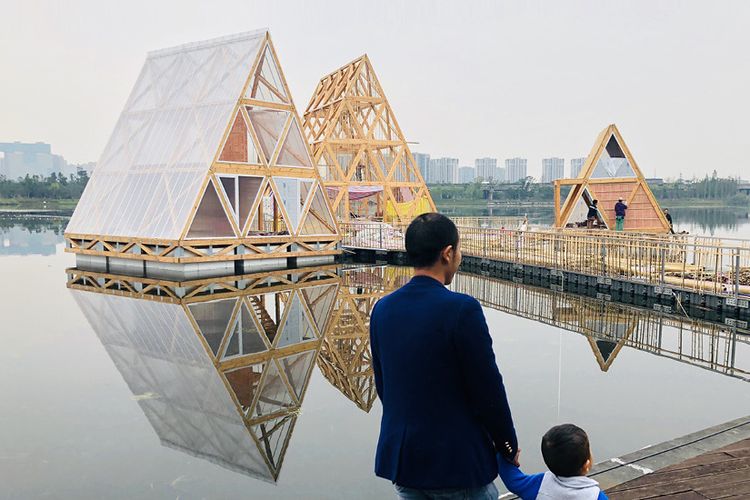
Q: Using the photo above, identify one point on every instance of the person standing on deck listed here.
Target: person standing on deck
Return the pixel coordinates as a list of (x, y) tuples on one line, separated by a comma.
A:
[(669, 219), (445, 410), (620, 208), (592, 215)]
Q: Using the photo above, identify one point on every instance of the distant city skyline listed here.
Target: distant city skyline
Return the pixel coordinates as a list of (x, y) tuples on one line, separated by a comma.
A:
[(527, 78)]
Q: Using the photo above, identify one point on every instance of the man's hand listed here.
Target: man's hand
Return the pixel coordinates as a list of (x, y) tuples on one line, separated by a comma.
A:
[(517, 458)]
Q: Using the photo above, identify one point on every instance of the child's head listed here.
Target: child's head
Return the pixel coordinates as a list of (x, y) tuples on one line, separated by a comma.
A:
[(566, 452)]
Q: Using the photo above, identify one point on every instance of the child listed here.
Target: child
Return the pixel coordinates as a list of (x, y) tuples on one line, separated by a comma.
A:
[(566, 452)]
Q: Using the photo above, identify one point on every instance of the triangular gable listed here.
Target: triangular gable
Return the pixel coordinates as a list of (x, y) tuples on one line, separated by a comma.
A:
[(212, 319), (608, 174), (356, 141)]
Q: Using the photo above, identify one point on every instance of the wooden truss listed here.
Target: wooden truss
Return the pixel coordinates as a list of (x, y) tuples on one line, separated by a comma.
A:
[(261, 196), (345, 357), (260, 334), (359, 148), (610, 172)]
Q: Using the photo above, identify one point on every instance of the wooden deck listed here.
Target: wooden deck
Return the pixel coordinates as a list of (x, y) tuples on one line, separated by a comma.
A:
[(722, 473)]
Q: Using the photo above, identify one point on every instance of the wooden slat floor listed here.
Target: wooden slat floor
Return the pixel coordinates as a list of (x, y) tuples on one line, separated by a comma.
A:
[(723, 473)]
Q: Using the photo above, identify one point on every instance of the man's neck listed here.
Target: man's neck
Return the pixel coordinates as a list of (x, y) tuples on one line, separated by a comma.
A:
[(429, 272)]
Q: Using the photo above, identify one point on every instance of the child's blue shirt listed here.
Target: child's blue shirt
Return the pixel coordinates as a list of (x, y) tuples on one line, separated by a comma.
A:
[(546, 485)]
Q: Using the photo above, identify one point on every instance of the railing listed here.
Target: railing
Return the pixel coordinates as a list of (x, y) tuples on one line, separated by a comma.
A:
[(690, 262)]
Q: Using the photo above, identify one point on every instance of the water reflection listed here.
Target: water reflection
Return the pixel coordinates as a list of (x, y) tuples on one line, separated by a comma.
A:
[(220, 367), (30, 235)]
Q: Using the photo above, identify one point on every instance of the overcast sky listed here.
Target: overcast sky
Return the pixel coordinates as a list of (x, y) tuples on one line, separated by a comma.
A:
[(500, 79)]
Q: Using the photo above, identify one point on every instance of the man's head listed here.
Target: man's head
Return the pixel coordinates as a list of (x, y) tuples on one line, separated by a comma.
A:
[(432, 246), (666, 210), (595, 202), (566, 451), (619, 199)]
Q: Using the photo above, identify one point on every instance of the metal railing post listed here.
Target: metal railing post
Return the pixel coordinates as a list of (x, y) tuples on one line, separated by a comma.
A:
[(662, 255), (737, 272)]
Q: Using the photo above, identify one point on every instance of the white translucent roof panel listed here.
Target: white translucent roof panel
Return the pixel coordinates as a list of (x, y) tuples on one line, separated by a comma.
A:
[(149, 174), (160, 357)]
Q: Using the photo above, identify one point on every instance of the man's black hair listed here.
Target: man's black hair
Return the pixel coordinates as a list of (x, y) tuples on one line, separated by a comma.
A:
[(427, 235), (565, 449), (595, 202)]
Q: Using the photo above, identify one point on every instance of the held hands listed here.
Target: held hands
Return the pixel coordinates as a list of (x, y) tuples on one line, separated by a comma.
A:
[(515, 460)]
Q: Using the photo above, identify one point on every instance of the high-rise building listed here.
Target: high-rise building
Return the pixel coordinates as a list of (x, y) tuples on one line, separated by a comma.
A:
[(552, 168), (444, 170), (423, 164), (515, 169), (576, 164), (466, 175), (19, 159), (486, 168)]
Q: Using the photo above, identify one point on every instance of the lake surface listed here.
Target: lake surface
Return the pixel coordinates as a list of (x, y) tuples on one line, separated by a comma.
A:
[(128, 394)]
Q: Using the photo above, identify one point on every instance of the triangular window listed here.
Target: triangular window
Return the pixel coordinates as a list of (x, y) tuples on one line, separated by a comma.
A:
[(296, 327), (212, 319), (274, 395), (248, 188), (268, 125), (320, 300), (210, 219), (319, 220), (244, 383), (612, 162), (268, 219), (239, 146), (272, 436), (296, 368), (290, 193), (245, 337), (267, 84), (294, 151)]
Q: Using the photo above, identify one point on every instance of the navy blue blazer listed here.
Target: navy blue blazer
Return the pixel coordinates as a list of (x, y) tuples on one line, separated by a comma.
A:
[(445, 411)]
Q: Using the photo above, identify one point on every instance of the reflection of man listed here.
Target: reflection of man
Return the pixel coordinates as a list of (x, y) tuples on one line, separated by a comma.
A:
[(445, 411), (620, 208)]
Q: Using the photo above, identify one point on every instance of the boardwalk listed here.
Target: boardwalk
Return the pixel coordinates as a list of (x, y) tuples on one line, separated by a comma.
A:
[(723, 473)]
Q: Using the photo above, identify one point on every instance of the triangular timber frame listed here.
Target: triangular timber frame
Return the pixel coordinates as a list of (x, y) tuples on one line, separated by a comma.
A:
[(610, 172), (357, 143), (272, 202), (267, 385)]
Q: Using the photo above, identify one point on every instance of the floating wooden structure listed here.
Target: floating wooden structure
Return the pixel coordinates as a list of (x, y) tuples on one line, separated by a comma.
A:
[(207, 166), (345, 358), (609, 173), (219, 368), (360, 150)]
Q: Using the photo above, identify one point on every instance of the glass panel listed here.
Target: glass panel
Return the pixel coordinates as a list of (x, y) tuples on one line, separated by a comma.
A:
[(272, 435), (210, 220), (294, 151), (267, 124), (274, 395), (319, 219), (233, 346), (320, 300), (290, 194), (244, 383), (297, 327), (248, 188), (252, 341), (271, 74), (212, 319), (612, 162), (228, 184), (268, 219), (296, 368)]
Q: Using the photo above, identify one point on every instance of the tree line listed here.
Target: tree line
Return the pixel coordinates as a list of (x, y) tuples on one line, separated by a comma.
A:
[(54, 187)]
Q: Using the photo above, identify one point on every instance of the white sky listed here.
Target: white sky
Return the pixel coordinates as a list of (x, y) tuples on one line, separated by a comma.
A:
[(465, 79)]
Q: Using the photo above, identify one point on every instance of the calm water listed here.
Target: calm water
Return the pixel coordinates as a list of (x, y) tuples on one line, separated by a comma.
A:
[(110, 395)]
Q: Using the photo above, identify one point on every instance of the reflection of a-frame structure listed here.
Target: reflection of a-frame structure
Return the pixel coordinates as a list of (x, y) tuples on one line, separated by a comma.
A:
[(219, 368), (345, 358), (608, 326)]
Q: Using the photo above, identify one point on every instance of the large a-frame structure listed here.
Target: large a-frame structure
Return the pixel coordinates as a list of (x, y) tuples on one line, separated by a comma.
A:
[(609, 173), (360, 150), (206, 163), (219, 367)]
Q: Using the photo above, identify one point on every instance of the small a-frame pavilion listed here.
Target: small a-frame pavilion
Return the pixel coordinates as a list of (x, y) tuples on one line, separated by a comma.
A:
[(207, 163), (609, 173), (359, 149)]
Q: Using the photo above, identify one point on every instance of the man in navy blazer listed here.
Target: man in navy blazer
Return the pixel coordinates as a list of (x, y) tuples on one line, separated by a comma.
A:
[(445, 411)]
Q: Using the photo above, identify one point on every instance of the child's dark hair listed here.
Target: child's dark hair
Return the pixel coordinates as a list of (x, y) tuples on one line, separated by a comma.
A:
[(565, 449), (427, 235)]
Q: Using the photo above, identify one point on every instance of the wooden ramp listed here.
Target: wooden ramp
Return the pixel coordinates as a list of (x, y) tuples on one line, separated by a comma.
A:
[(722, 473)]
